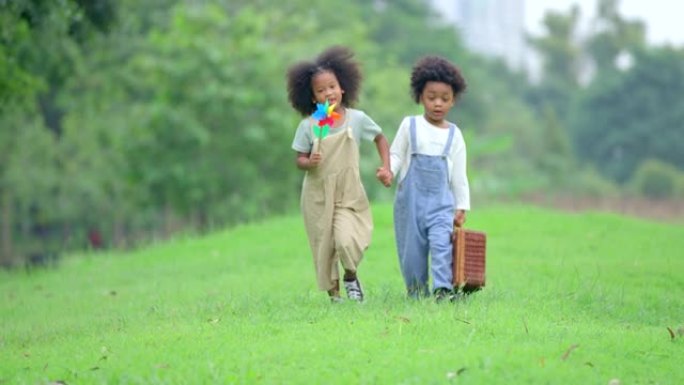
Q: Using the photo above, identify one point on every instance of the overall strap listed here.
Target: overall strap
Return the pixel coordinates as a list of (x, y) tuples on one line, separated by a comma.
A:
[(412, 130), (447, 148)]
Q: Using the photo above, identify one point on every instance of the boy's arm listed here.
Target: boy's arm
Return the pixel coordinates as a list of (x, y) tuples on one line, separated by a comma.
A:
[(399, 148), (459, 181)]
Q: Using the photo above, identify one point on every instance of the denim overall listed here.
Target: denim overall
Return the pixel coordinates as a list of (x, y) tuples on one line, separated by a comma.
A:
[(423, 219)]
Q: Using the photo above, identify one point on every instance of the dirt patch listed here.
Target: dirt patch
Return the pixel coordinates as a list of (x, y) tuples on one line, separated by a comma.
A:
[(660, 210)]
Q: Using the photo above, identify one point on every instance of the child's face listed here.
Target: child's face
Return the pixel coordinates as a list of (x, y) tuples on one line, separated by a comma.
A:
[(437, 99), (326, 87)]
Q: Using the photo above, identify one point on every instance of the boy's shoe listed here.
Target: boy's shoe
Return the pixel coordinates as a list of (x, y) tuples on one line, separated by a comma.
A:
[(417, 292), (442, 294), (354, 290)]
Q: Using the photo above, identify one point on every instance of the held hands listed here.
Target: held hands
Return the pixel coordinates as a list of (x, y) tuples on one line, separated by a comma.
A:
[(459, 218), (384, 176)]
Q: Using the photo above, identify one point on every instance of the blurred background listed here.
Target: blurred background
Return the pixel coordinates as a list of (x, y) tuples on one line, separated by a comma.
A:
[(124, 122)]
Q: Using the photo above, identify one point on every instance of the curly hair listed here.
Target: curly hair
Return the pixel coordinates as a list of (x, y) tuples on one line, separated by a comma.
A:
[(336, 59), (435, 69)]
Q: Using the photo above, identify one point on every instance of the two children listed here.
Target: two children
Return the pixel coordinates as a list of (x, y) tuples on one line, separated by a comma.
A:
[(428, 154)]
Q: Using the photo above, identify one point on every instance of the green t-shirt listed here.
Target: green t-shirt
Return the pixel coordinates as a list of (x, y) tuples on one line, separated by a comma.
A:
[(363, 127)]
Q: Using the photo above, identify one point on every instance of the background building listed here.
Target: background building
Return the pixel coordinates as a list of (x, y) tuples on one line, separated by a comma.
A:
[(493, 28)]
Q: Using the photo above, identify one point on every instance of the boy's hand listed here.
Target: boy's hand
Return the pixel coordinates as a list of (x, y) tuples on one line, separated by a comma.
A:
[(384, 176), (459, 218)]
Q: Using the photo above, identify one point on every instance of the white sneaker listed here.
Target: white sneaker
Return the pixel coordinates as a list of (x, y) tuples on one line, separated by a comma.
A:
[(336, 299), (354, 290)]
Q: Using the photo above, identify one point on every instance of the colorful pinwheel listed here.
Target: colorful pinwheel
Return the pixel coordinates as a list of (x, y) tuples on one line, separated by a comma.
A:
[(325, 115)]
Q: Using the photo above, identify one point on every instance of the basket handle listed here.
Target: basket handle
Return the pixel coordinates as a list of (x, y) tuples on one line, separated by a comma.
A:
[(459, 245)]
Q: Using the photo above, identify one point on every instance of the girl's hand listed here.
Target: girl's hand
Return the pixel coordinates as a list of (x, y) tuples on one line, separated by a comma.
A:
[(459, 218), (315, 159), (384, 176)]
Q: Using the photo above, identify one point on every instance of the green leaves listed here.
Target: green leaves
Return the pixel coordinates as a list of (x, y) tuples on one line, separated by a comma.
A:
[(637, 114)]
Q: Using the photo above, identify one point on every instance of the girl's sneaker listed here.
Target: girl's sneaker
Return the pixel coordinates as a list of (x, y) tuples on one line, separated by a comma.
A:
[(354, 290), (336, 299)]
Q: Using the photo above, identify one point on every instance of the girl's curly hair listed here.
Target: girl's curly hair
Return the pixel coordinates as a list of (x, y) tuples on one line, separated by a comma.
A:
[(336, 59), (435, 69)]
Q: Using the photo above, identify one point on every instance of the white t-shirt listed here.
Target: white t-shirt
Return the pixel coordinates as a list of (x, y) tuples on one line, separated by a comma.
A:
[(363, 127), (431, 140)]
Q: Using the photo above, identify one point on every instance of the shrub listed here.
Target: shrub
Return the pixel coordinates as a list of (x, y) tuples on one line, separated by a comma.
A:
[(657, 179)]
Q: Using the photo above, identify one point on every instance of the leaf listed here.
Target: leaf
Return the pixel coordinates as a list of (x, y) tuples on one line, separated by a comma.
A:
[(567, 352), (452, 375), (672, 335)]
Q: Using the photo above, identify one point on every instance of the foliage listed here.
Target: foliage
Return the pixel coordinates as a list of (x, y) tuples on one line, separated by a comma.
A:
[(613, 36), (561, 55), (588, 182), (659, 180), (623, 119), (138, 119)]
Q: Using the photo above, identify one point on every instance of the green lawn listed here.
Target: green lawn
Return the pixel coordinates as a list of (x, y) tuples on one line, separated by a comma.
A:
[(570, 299)]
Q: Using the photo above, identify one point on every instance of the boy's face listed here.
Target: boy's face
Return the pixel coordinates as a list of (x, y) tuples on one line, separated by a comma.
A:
[(437, 99), (326, 87)]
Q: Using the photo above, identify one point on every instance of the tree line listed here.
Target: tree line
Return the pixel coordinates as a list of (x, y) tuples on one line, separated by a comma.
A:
[(125, 121)]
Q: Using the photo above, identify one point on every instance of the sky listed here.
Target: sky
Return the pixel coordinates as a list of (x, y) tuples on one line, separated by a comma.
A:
[(662, 17)]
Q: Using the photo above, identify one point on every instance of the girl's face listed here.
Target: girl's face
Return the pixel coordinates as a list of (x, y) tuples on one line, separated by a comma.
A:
[(437, 99), (326, 87)]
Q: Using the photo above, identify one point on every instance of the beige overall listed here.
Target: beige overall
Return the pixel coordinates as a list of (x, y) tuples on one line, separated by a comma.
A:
[(335, 207)]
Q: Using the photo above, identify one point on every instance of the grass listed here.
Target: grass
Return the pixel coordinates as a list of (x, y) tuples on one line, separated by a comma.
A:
[(570, 299)]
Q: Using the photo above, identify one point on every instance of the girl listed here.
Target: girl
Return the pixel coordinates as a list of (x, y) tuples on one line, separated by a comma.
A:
[(334, 204), (429, 154)]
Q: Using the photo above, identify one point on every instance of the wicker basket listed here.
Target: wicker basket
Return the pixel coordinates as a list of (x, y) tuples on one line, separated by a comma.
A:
[(469, 259)]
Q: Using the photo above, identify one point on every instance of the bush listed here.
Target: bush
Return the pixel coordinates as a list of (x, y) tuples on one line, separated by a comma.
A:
[(588, 182), (657, 179)]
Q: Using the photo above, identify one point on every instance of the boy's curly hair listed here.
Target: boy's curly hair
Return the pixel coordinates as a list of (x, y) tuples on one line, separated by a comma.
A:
[(336, 59), (435, 69)]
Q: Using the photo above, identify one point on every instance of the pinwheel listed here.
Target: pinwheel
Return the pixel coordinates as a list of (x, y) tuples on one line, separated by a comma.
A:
[(325, 115)]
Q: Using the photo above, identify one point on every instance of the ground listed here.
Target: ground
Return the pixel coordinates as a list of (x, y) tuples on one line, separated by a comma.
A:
[(671, 211)]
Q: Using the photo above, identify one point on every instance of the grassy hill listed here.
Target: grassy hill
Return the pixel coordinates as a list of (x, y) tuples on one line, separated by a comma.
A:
[(570, 299)]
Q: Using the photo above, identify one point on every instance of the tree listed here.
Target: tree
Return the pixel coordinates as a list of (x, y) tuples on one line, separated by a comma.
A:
[(613, 36), (561, 55), (625, 118)]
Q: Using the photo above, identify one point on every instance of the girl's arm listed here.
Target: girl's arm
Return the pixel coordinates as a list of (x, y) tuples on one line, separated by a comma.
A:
[(383, 173), (383, 150)]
